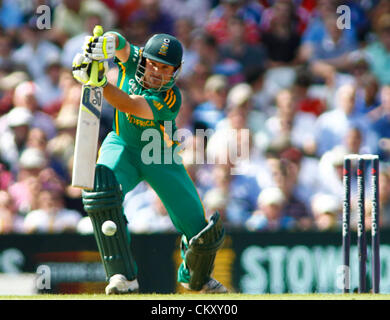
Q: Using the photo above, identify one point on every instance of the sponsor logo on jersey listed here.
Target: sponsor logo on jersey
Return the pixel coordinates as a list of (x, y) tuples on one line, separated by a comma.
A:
[(139, 122)]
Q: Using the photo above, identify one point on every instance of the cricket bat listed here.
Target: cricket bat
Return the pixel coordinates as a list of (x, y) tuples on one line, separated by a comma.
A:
[(87, 132)]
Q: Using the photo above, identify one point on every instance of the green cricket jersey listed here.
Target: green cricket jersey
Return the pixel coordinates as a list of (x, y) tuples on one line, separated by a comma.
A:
[(165, 107)]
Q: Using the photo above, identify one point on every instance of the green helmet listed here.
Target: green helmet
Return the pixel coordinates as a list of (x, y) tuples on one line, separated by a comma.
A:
[(162, 48)]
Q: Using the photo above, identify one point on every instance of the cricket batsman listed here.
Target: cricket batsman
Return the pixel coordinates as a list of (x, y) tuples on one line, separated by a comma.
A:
[(145, 97)]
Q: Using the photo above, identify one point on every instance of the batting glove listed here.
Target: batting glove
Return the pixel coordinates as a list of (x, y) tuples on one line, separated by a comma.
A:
[(80, 67), (86, 73), (99, 48)]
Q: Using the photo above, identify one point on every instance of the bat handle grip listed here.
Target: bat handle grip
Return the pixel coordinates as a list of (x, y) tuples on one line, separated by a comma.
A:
[(97, 32)]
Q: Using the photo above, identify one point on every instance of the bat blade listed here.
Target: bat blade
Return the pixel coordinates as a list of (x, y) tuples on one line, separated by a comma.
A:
[(87, 135)]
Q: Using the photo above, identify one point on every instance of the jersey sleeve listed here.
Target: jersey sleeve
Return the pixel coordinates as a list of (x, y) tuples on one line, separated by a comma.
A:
[(165, 106)]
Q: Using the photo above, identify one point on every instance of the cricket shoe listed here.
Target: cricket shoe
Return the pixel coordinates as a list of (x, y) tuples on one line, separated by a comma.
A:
[(118, 284), (211, 286)]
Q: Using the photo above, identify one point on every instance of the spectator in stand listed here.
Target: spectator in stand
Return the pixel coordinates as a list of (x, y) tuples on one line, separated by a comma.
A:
[(360, 20), (290, 126), (367, 85), (358, 66), (326, 211), (234, 134), (217, 24), (28, 185), (378, 52), (381, 124), (123, 10), (10, 220), (8, 84), (241, 192), (25, 95), (216, 200), (158, 19), (152, 218), (240, 110), (330, 168), (291, 12), (194, 159), (330, 172), (332, 52), (367, 94), (5, 50), (384, 197), (37, 139), (49, 85), (36, 52), (94, 15), (61, 147), (269, 214), (67, 19), (184, 32), (281, 33), (207, 114), (70, 15), (69, 94), (306, 101), (235, 48), (73, 196), (353, 142), (285, 176), (195, 82), (11, 16), (208, 52), (185, 9), (14, 137), (6, 177), (378, 8), (207, 49), (316, 30), (234, 138), (184, 117), (331, 127), (136, 28), (307, 182), (51, 215)]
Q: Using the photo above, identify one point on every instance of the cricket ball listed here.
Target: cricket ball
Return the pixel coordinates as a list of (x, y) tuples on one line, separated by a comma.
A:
[(109, 228)]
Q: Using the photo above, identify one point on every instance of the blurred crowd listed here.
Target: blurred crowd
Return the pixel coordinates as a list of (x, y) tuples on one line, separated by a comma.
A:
[(305, 82)]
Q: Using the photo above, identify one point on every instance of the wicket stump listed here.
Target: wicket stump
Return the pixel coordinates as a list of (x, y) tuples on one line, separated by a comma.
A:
[(362, 160)]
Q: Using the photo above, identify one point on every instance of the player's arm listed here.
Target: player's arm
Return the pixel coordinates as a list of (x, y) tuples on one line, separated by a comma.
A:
[(133, 104)]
